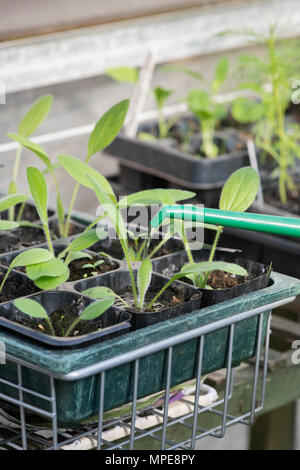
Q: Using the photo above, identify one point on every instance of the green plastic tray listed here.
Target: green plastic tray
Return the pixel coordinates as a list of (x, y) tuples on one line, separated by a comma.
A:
[(78, 401)]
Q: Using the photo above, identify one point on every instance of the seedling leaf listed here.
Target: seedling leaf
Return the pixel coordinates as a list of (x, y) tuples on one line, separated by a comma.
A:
[(96, 309), (48, 282), (155, 196), (52, 268), (123, 74), (143, 280), (87, 239), (35, 148), (107, 128), (8, 225), (79, 171), (38, 188), (208, 266), (32, 256), (240, 190), (11, 200), (31, 308), (35, 116)]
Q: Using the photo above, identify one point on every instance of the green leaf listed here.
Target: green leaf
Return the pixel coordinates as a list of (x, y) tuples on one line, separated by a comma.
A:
[(200, 103), (52, 268), (12, 188), (49, 282), (87, 239), (220, 74), (146, 137), (107, 128), (8, 225), (240, 190), (161, 94), (123, 74), (98, 263), (99, 292), (39, 191), (88, 266), (183, 69), (75, 255), (95, 309), (60, 210), (31, 308), (32, 256), (143, 280), (11, 200), (35, 148), (112, 211), (208, 266), (35, 116), (155, 196), (245, 110), (80, 172)]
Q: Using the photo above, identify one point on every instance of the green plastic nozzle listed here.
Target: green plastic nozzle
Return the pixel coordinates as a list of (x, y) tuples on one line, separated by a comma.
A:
[(278, 225)]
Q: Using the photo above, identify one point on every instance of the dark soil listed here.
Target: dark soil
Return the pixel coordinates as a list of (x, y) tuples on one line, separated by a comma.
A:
[(170, 298), (29, 214), (185, 136), (20, 238), (25, 237), (216, 279), (16, 286), (78, 272), (222, 280), (62, 319), (271, 197), (115, 249)]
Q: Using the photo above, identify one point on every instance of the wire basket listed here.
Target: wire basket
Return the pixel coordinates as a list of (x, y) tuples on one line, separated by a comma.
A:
[(158, 422)]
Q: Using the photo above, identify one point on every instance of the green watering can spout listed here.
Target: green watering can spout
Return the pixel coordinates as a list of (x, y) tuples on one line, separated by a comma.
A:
[(287, 226)]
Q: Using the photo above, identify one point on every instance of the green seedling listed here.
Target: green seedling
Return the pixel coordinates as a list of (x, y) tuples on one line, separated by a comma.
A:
[(238, 194), (104, 132), (141, 288), (160, 95), (42, 267), (112, 209), (35, 310), (202, 102), (270, 78), (29, 124), (93, 266), (8, 202), (28, 258)]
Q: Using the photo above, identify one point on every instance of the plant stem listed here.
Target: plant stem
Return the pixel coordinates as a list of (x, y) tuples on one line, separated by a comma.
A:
[(17, 165), (122, 300), (5, 278), (212, 253), (187, 246), (11, 211), (20, 213), (160, 293), (280, 120), (61, 225), (127, 257), (208, 145), (51, 326), (162, 126), (158, 247), (67, 260), (74, 195), (47, 233), (72, 326)]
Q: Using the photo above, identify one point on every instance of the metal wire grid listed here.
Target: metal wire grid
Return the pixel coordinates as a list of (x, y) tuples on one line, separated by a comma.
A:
[(25, 436)]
